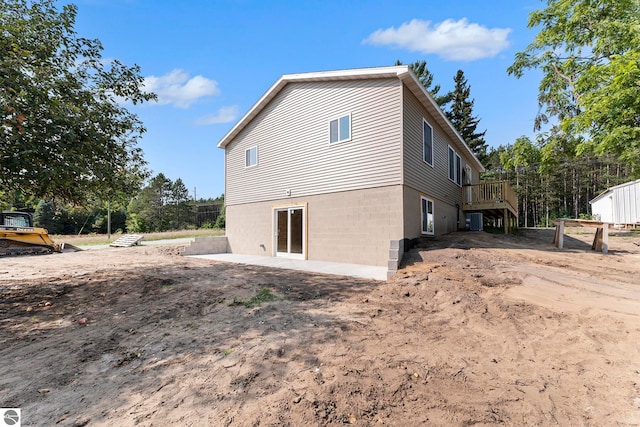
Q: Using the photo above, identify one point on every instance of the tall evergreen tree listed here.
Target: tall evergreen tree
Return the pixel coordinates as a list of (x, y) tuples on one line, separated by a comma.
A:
[(426, 78), (181, 211), (460, 113), (160, 206)]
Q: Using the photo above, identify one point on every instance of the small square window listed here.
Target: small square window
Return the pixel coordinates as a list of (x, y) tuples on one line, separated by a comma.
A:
[(340, 129), (427, 142), (251, 157)]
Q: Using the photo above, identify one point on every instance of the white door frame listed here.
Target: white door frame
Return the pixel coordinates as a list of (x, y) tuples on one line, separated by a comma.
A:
[(289, 209)]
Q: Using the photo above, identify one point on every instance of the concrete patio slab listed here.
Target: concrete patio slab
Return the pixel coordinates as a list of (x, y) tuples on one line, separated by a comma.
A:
[(352, 270)]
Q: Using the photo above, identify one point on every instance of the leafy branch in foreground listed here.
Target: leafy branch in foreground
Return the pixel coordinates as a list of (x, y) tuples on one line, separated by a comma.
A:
[(589, 56), (64, 133)]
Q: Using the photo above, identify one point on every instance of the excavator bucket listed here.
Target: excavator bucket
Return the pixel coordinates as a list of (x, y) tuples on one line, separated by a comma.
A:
[(68, 247)]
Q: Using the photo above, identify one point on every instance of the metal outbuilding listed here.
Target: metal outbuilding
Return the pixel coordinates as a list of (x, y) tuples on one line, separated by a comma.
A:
[(619, 205)]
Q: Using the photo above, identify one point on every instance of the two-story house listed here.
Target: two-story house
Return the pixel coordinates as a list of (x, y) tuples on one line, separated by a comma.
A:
[(344, 166)]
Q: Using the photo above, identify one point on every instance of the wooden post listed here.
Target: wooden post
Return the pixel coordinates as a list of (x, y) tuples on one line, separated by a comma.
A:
[(605, 238), (597, 240), (506, 221), (560, 231)]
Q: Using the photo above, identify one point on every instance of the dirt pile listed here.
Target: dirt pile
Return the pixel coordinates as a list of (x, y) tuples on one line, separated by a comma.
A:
[(476, 329)]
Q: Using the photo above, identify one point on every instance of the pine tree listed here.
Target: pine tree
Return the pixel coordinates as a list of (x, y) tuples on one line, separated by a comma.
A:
[(461, 116), (426, 78)]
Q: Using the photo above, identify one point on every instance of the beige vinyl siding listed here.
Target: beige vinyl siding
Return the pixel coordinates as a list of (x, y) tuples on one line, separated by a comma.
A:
[(292, 136), (447, 218), (432, 181)]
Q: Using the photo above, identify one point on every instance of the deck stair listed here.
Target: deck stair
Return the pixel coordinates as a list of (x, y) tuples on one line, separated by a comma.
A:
[(127, 241)]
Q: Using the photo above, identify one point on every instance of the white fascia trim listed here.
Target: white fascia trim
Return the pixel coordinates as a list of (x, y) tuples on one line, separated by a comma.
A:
[(266, 97), (402, 72), (353, 74)]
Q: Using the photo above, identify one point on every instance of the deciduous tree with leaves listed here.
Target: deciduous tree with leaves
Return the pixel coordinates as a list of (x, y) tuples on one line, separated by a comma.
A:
[(523, 158), (589, 55), (64, 133)]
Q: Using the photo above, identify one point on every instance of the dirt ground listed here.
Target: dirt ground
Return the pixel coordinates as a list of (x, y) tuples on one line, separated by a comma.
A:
[(476, 329)]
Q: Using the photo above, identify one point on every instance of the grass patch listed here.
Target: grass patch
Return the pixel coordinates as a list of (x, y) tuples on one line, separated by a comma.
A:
[(264, 295), (166, 284)]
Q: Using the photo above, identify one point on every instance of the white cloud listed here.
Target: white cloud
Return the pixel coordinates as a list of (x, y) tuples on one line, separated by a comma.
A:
[(179, 89), (223, 115), (451, 40)]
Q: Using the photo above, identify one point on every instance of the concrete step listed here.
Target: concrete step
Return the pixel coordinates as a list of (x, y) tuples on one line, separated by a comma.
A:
[(207, 245)]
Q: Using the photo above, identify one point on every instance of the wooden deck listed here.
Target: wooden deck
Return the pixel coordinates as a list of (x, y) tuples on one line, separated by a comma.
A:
[(495, 200)]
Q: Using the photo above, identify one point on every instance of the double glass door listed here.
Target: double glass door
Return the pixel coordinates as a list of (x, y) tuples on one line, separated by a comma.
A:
[(289, 229)]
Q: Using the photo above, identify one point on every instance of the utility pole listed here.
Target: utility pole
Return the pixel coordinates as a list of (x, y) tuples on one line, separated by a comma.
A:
[(195, 208), (109, 220)]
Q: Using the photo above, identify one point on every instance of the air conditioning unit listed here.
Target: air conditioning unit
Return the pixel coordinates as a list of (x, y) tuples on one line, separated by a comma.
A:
[(474, 221)]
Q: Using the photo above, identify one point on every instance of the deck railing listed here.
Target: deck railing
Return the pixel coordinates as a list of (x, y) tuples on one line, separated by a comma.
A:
[(487, 195)]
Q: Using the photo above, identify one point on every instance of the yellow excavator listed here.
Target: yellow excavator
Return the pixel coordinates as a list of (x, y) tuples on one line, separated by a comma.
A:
[(18, 236)]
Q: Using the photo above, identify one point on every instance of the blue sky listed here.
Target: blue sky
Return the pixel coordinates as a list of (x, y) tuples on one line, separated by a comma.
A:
[(210, 61)]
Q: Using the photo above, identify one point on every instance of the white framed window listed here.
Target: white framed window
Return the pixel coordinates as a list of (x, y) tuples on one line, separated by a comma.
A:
[(340, 129), (251, 157), (427, 143), (427, 215), (455, 167)]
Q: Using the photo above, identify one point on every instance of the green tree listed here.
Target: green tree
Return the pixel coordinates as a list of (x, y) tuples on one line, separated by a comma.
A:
[(60, 219), (589, 55), (523, 158), (101, 211), (221, 221), (160, 206), (46, 216), (426, 79), (494, 170), (460, 113), (181, 211), (151, 204), (65, 135)]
